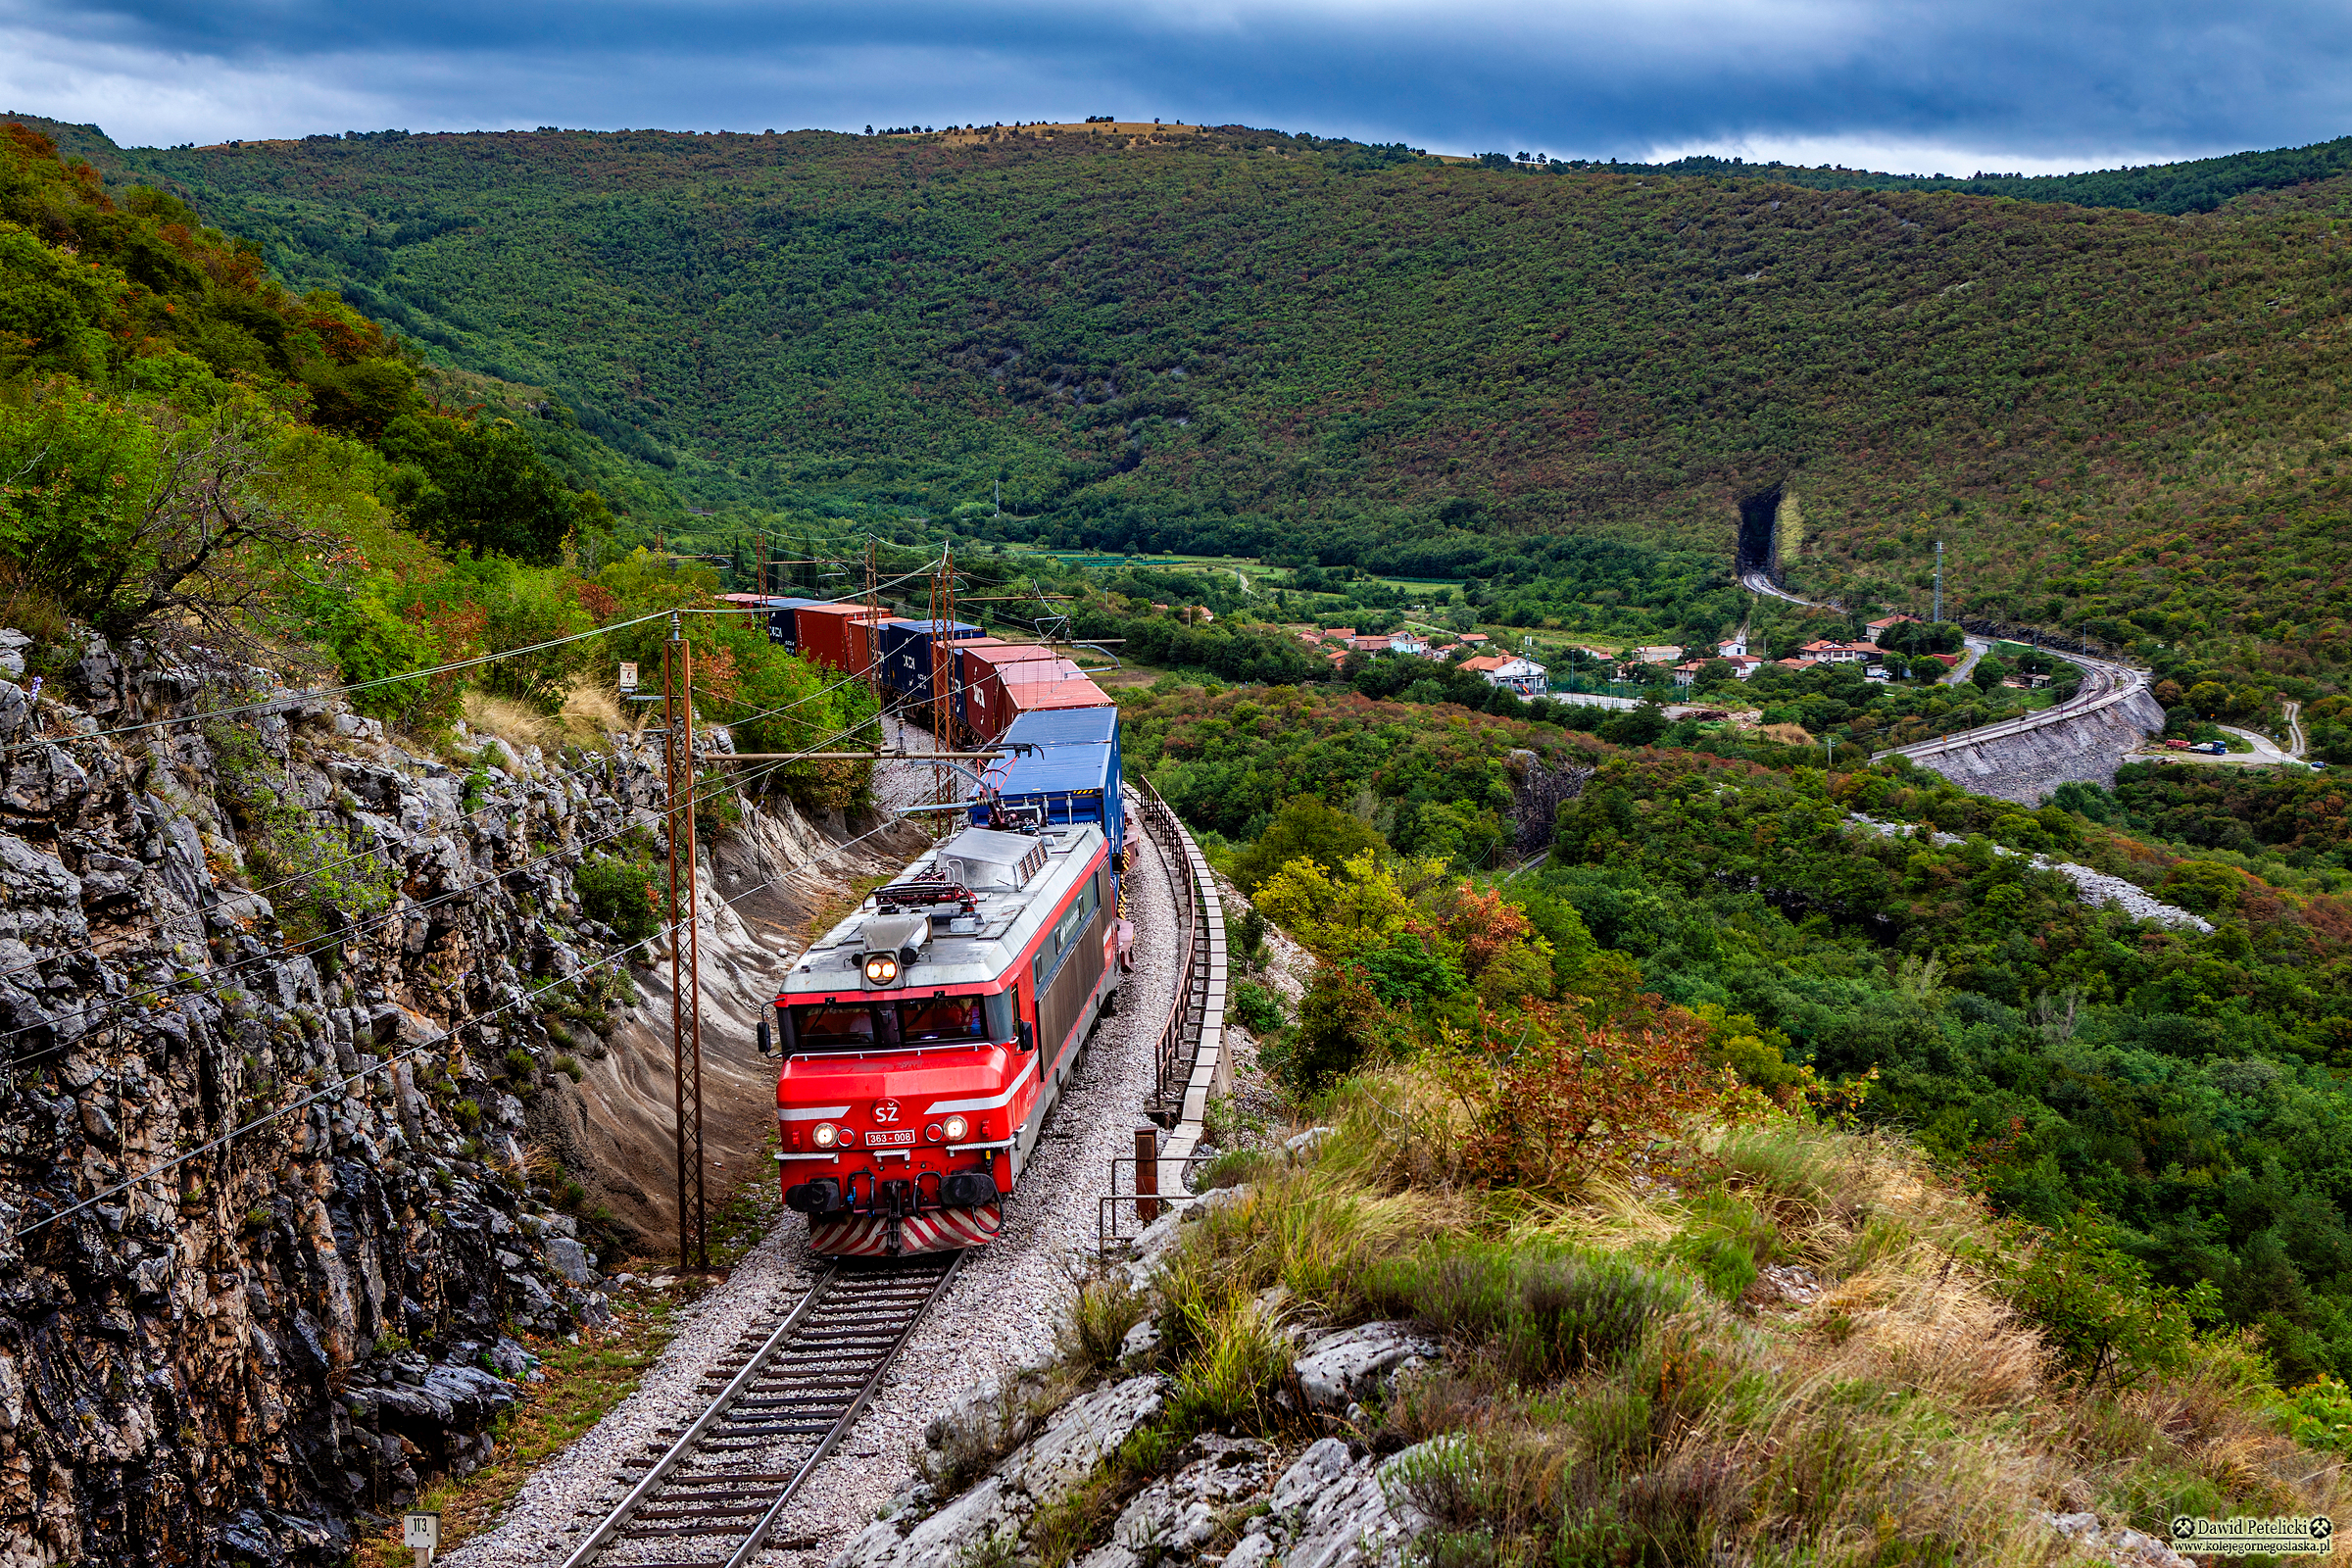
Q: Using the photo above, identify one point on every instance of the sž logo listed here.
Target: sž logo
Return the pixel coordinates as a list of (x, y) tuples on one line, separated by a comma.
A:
[(886, 1110)]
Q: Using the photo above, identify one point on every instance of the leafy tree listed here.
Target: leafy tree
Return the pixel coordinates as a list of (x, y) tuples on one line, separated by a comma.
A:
[(1307, 828), (133, 519), (479, 485)]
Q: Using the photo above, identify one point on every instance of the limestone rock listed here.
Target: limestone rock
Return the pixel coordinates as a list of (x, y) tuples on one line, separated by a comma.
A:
[(1357, 1364), (1333, 1509), (1041, 1472), (571, 1259), (1173, 1519)]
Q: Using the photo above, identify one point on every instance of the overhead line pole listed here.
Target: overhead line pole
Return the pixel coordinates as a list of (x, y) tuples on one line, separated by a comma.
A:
[(873, 638), (943, 667), (685, 955)]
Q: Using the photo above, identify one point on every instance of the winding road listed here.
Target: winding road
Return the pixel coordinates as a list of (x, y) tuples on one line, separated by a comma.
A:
[(2105, 684)]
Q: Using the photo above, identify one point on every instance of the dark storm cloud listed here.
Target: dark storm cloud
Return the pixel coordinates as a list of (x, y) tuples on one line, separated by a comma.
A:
[(2009, 85)]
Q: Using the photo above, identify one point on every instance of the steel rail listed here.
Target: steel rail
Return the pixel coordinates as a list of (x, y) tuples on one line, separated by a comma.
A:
[(868, 1313)]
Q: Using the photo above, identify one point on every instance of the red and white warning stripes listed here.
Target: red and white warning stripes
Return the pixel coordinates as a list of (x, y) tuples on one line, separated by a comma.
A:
[(939, 1230)]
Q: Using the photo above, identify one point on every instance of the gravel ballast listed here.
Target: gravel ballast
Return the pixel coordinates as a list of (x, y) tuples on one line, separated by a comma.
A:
[(1001, 1310)]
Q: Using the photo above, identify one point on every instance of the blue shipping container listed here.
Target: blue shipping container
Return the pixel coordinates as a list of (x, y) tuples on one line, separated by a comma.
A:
[(1074, 783), (906, 654), (1069, 727)]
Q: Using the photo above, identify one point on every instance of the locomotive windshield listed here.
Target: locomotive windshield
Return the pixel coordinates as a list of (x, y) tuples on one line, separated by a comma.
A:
[(880, 1025)]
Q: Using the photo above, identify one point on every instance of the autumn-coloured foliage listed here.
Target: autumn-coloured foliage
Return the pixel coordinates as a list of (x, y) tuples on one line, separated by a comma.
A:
[(1571, 1097)]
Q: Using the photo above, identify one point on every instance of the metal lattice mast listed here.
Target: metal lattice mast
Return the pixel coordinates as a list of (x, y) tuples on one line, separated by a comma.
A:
[(873, 614), (685, 951), (1938, 617), (943, 667)]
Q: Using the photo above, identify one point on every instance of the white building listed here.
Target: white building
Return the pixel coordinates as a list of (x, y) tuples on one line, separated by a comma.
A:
[(1522, 675)]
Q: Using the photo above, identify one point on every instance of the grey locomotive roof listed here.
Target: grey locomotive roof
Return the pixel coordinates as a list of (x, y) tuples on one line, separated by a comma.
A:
[(963, 949)]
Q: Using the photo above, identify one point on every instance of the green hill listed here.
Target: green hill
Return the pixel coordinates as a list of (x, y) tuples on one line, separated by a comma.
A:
[(2198, 185), (1242, 341)]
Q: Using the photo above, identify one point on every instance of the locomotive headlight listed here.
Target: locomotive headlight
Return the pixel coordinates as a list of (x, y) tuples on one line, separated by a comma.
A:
[(824, 1135), (955, 1127), (881, 968)]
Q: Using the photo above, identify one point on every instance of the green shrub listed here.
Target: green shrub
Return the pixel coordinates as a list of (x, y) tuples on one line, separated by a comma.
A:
[(469, 1115), (615, 893), (1724, 1244), (1256, 1008), (1231, 1168), (571, 1068), (2319, 1414), (2095, 1304), (518, 1064), (1541, 1314)]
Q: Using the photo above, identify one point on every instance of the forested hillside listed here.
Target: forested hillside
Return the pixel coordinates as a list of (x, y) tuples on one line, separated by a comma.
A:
[(2198, 185), (192, 452), (2115, 418)]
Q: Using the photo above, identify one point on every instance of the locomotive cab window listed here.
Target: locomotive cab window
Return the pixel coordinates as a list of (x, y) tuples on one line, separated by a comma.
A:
[(843, 1026), (941, 1018), (880, 1025)]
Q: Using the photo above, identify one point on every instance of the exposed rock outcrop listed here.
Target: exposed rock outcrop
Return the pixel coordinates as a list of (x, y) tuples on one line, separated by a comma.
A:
[(1046, 1470), (233, 951)]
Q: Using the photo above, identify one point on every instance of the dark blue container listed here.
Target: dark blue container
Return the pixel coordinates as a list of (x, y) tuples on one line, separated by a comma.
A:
[(906, 654), (783, 627), (1068, 726)]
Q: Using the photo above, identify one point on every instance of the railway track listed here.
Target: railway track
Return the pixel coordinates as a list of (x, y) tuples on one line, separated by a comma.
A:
[(710, 1494)]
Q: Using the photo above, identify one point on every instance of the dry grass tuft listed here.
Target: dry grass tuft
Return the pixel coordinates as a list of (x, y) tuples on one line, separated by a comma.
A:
[(512, 722), (590, 714), (1903, 1412)]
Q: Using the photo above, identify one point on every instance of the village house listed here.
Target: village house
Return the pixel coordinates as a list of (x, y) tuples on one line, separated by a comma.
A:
[(1878, 629), (1835, 652), (1743, 666), (1522, 675)]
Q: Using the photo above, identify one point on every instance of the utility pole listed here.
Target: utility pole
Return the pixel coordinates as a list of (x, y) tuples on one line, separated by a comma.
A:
[(873, 614), (1938, 617), (685, 951), (943, 671)]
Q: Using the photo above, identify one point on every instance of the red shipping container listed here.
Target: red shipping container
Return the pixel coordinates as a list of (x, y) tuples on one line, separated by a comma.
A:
[(1037, 696), (861, 642), (989, 670), (826, 636)]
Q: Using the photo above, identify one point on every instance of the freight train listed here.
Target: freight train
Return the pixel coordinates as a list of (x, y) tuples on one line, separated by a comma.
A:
[(924, 1039)]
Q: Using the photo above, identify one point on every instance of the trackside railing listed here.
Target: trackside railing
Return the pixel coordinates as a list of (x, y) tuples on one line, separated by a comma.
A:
[(1180, 1035)]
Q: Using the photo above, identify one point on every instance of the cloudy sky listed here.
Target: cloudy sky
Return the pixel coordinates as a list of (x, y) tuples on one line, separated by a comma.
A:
[(1951, 86)]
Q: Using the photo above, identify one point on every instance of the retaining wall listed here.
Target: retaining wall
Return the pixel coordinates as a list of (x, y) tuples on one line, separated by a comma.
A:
[(2025, 766)]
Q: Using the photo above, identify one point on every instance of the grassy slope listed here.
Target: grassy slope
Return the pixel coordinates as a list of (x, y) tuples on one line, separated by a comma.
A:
[(2110, 415)]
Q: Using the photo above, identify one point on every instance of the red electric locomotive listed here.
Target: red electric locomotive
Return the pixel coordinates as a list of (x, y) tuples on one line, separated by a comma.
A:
[(925, 1037)]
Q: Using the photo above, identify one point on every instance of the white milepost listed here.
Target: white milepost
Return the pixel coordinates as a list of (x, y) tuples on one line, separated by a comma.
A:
[(422, 1531)]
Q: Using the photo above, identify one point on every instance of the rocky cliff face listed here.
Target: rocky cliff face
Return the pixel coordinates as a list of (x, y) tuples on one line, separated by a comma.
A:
[(281, 911)]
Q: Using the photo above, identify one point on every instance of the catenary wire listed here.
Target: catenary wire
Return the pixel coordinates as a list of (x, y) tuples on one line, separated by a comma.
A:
[(312, 694), (345, 1082), (215, 977)]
